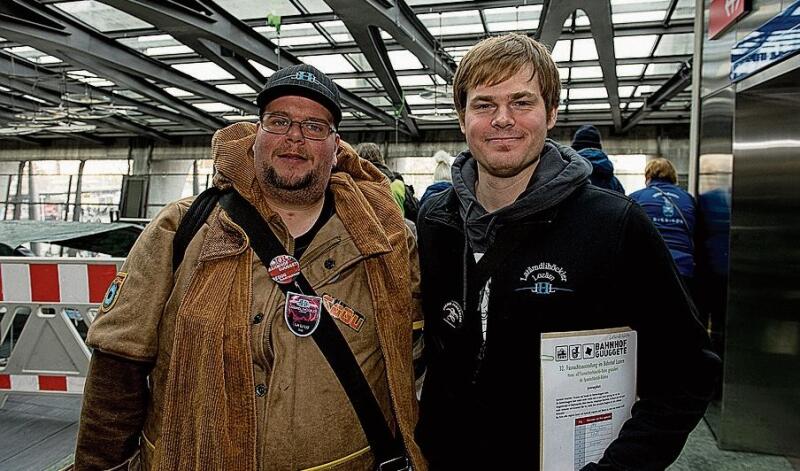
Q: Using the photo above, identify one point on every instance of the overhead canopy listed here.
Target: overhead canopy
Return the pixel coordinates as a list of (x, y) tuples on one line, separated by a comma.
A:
[(115, 239)]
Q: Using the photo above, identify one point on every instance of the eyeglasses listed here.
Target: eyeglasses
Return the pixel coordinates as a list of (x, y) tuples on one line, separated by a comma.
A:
[(280, 124)]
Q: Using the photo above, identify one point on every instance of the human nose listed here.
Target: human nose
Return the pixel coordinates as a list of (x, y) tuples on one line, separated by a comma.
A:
[(503, 117), (295, 135)]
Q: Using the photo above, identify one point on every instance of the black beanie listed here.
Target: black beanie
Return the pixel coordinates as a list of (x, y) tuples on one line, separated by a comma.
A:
[(586, 136)]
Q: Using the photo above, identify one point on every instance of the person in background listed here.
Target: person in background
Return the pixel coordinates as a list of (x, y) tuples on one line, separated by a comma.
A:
[(672, 210), (588, 145), (521, 246), (402, 193), (442, 179)]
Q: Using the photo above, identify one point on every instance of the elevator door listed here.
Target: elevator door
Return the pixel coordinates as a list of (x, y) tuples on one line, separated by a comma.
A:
[(761, 392)]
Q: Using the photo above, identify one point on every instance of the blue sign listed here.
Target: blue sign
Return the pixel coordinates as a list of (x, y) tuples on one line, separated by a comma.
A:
[(774, 41)]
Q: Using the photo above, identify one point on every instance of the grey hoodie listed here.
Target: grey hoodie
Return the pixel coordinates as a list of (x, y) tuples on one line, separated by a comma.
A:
[(560, 172)]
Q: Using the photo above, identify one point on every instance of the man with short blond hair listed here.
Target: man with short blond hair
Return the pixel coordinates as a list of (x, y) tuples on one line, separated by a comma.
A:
[(523, 245)]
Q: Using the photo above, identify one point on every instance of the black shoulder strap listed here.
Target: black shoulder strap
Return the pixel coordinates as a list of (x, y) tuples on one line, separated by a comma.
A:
[(192, 221), (388, 451)]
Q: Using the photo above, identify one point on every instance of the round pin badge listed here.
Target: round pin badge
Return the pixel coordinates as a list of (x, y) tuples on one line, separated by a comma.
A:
[(283, 269), (302, 313)]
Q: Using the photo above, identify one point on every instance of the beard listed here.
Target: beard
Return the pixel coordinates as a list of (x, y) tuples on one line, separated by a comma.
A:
[(306, 189)]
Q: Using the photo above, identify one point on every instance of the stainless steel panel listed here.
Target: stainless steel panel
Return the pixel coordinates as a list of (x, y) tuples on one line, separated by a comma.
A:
[(761, 393)]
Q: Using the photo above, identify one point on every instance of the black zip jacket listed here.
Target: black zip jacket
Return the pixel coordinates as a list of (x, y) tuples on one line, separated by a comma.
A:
[(480, 401)]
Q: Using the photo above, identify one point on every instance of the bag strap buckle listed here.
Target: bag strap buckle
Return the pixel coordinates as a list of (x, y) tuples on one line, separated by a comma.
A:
[(401, 463)]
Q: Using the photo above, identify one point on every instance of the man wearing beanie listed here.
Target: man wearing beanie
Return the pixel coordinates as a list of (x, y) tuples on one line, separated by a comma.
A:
[(281, 339), (587, 143)]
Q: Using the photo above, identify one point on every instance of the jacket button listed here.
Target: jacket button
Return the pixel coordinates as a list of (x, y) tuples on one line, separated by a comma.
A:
[(330, 263), (261, 390), (258, 318)]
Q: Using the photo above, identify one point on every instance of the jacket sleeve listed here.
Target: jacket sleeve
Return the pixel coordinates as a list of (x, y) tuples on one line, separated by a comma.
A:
[(113, 412), (677, 370)]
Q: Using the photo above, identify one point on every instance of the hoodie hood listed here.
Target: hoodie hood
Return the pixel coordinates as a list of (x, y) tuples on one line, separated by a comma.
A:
[(559, 173), (599, 160)]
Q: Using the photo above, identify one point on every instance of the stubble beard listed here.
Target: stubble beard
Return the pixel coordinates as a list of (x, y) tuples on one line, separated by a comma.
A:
[(307, 189)]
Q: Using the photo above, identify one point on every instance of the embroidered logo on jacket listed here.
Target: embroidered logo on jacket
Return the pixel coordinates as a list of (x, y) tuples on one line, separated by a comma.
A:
[(343, 312), (543, 279), (453, 314), (110, 299)]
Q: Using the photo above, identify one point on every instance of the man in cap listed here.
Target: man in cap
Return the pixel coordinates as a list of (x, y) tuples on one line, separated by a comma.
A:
[(229, 363), (523, 247), (589, 146)]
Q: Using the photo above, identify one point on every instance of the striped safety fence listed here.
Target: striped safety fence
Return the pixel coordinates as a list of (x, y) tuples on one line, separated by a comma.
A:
[(42, 383), (51, 295)]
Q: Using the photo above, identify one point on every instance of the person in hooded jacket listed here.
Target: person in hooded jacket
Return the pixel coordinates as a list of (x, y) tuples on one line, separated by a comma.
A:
[(589, 146), (521, 212)]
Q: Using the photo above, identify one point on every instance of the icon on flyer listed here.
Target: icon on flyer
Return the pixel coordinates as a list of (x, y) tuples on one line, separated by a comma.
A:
[(575, 352), (588, 350), (561, 353)]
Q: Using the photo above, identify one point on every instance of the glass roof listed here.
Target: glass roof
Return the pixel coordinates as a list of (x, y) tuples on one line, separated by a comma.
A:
[(651, 43)]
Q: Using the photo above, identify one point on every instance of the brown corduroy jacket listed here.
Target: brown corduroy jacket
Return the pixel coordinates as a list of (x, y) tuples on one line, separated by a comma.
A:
[(232, 392)]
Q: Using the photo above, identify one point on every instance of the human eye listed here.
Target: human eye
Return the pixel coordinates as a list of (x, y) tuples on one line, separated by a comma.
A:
[(277, 121), (523, 104), (315, 127), (482, 106)]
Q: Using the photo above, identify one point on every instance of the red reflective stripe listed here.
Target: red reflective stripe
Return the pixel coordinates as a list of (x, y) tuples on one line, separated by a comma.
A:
[(5, 381), (100, 277), (52, 383), (44, 283)]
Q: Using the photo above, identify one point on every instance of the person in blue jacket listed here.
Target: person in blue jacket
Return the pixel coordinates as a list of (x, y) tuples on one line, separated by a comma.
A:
[(588, 145), (672, 210)]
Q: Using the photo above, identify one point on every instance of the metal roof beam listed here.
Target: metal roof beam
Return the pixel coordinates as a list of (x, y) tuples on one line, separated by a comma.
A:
[(226, 31), (107, 58), (21, 73), (672, 87), (555, 13)]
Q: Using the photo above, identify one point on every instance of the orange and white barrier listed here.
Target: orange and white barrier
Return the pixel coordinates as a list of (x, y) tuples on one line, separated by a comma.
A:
[(49, 355)]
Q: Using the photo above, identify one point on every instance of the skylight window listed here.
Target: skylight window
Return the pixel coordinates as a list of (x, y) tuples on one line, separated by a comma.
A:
[(330, 63), (513, 18), (586, 72), (167, 50), (262, 69), (587, 93), (102, 17), (203, 70), (178, 92), (672, 44), (237, 88), (214, 107), (404, 60), (561, 51), (584, 49), (253, 9), (634, 46), (589, 106), (414, 80), (337, 30), (448, 23), (33, 55), (630, 70)]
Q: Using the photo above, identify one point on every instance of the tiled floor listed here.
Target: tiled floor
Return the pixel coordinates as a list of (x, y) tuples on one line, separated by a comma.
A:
[(701, 454)]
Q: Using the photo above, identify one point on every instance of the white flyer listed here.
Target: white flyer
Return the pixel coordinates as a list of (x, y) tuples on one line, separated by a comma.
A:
[(588, 387)]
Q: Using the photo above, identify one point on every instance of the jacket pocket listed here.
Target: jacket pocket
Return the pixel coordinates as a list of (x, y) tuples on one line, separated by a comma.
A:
[(148, 451), (134, 463)]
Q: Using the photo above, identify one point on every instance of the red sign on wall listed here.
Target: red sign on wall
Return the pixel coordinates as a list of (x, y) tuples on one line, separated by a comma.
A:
[(723, 13)]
